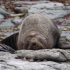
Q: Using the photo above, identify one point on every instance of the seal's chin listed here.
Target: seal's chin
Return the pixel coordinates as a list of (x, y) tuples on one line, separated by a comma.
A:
[(35, 42)]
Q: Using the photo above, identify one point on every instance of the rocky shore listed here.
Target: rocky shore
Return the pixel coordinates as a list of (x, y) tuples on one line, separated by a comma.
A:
[(58, 60), (47, 59)]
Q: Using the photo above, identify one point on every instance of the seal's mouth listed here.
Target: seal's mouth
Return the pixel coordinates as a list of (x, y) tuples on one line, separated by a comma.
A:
[(35, 42)]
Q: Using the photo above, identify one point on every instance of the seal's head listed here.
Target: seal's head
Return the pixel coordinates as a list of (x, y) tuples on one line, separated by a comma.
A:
[(35, 41)]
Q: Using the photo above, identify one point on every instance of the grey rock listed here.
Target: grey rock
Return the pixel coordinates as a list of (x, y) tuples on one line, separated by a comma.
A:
[(8, 62), (30, 3), (1, 16), (53, 54), (68, 7), (7, 56), (3, 7), (58, 59), (7, 24), (21, 10), (7, 67), (16, 20), (4, 12), (52, 10), (10, 33), (65, 33), (59, 66)]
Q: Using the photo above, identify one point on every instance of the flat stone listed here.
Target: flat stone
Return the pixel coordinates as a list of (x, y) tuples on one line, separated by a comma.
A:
[(30, 3), (21, 10), (8, 61), (4, 12), (1, 16), (7, 24), (50, 9), (53, 54), (16, 20)]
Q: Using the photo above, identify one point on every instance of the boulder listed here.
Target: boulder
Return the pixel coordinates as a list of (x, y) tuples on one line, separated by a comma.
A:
[(20, 10), (52, 55), (4, 12), (7, 24), (16, 20), (53, 10), (10, 61)]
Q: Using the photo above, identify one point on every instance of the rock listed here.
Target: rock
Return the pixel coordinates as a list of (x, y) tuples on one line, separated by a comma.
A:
[(5, 56), (7, 24), (68, 7), (31, 60), (20, 10), (4, 12), (1, 16), (29, 2), (16, 20), (50, 5), (53, 54), (68, 21), (7, 67), (8, 61), (58, 59), (3, 7), (52, 10)]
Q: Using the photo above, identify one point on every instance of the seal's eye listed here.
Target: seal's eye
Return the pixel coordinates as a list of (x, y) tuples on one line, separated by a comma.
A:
[(26, 44), (41, 40)]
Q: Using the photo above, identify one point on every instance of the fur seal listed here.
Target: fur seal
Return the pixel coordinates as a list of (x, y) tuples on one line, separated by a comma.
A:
[(36, 32)]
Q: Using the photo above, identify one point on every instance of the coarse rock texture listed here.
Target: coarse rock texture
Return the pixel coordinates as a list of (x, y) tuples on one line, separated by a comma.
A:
[(4, 12), (13, 62), (29, 2), (50, 9), (53, 54), (57, 59), (20, 10), (16, 20), (6, 25), (1, 16)]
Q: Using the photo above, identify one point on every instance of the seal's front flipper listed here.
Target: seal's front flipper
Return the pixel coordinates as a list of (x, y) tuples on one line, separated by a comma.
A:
[(11, 41), (6, 48)]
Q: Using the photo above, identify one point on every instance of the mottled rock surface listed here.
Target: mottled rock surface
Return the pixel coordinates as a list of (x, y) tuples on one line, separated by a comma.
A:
[(20, 9), (4, 12), (13, 62), (56, 59), (51, 9)]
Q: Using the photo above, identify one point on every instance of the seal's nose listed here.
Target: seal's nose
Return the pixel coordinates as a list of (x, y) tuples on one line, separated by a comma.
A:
[(34, 43)]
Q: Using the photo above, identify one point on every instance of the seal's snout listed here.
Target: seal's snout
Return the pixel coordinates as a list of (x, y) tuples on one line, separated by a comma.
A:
[(34, 43)]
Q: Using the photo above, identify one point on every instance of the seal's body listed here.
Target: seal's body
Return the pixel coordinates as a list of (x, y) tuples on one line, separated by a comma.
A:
[(38, 32)]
